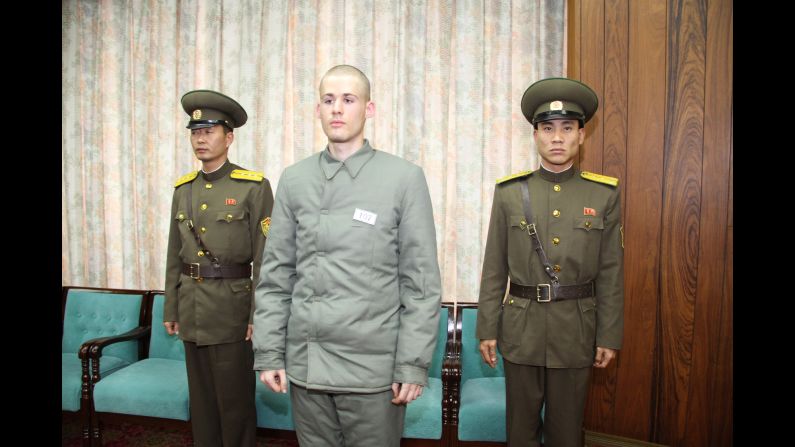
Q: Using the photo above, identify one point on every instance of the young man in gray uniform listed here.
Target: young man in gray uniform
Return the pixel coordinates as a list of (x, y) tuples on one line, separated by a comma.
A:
[(348, 310), (556, 234), (219, 222)]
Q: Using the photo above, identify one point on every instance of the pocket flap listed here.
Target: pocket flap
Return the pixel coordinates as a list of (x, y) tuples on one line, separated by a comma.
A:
[(515, 301), (589, 223), (516, 221), (241, 285), (587, 304), (230, 215)]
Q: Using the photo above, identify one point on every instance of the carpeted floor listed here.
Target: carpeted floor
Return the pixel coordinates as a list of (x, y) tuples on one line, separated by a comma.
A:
[(133, 435)]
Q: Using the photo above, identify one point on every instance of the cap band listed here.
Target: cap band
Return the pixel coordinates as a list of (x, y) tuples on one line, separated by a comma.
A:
[(557, 114), (197, 124)]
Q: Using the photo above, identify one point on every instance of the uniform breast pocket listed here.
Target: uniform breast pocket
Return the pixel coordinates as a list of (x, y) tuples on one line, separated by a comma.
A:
[(233, 225), (519, 243), (587, 236), (180, 218), (362, 235), (514, 320), (587, 307), (241, 297)]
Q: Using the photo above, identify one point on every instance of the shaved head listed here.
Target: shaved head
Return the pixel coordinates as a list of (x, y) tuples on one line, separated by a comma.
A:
[(348, 70)]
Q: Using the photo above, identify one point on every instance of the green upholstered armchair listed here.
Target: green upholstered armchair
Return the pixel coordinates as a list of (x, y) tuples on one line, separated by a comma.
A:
[(425, 416), (481, 415), (155, 386), (89, 315), (481, 411)]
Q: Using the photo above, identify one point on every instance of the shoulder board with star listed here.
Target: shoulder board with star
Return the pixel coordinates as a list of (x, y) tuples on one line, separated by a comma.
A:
[(599, 178), (513, 176), (242, 174), (186, 178)]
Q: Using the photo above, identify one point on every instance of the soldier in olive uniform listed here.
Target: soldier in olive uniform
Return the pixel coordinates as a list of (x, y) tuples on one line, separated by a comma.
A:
[(220, 218), (556, 235)]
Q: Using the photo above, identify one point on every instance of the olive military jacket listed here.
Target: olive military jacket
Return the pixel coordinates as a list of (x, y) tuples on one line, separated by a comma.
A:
[(352, 295), (578, 219), (229, 211)]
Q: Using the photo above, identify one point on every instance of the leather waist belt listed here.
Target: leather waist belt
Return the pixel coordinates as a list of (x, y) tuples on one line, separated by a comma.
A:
[(197, 271), (544, 293)]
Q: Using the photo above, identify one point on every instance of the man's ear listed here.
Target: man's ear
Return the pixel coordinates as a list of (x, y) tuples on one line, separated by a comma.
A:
[(230, 137)]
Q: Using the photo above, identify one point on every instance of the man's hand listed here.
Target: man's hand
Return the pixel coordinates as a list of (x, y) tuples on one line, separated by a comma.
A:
[(172, 327), (275, 379), (405, 392), (603, 357), (249, 332), (488, 350)]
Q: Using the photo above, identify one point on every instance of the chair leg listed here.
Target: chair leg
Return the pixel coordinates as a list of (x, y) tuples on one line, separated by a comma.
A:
[(85, 398)]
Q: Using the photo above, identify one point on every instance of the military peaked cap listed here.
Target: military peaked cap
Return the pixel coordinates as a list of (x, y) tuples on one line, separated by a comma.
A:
[(559, 98), (208, 108)]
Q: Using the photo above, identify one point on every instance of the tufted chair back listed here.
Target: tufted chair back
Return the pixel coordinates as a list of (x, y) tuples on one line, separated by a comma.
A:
[(89, 314), (100, 313)]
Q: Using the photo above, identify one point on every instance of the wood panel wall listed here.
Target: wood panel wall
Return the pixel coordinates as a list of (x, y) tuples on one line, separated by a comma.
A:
[(663, 74)]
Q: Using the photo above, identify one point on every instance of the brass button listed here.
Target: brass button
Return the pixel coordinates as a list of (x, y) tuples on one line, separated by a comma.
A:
[(203, 229), (556, 240), (204, 206), (556, 188), (556, 213), (587, 224), (228, 217), (181, 217), (556, 268), (201, 253), (209, 186)]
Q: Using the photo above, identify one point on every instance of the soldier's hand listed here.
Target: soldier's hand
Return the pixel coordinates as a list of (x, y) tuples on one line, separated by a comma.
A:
[(488, 350), (275, 379), (603, 357), (172, 327), (404, 393), (249, 332)]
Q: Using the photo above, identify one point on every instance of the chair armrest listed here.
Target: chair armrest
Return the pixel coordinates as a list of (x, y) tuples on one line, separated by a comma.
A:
[(451, 382), (95, 346), (98, 344)]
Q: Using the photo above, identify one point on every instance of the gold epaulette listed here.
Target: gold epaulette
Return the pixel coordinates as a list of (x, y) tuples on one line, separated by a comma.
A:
[(599, 178), (243, 174), (513, 176), (186, 178)]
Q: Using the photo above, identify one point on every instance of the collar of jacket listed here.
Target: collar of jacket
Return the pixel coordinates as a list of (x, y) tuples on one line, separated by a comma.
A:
[(556, 177), (354, 163), (219, 173)]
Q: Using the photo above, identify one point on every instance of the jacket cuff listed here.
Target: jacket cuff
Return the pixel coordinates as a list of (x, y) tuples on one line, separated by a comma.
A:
[(266, 362), (410, 374)]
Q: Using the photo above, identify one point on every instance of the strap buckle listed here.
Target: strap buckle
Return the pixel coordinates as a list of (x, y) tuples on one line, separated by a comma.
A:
[(538, 293), (530, 228), (195, 271)]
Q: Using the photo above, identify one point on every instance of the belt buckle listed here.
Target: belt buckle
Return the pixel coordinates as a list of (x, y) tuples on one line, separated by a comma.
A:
[(195, 273), (538, 293)]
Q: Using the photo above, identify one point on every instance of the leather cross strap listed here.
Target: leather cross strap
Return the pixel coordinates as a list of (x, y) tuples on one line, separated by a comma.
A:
[(197, 271), (192, 229), (529, 226), (553, 292)]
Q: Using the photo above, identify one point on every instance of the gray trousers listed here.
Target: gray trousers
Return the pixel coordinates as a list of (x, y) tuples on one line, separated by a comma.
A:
[(564, 391), (346, 419), (221, 385)]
